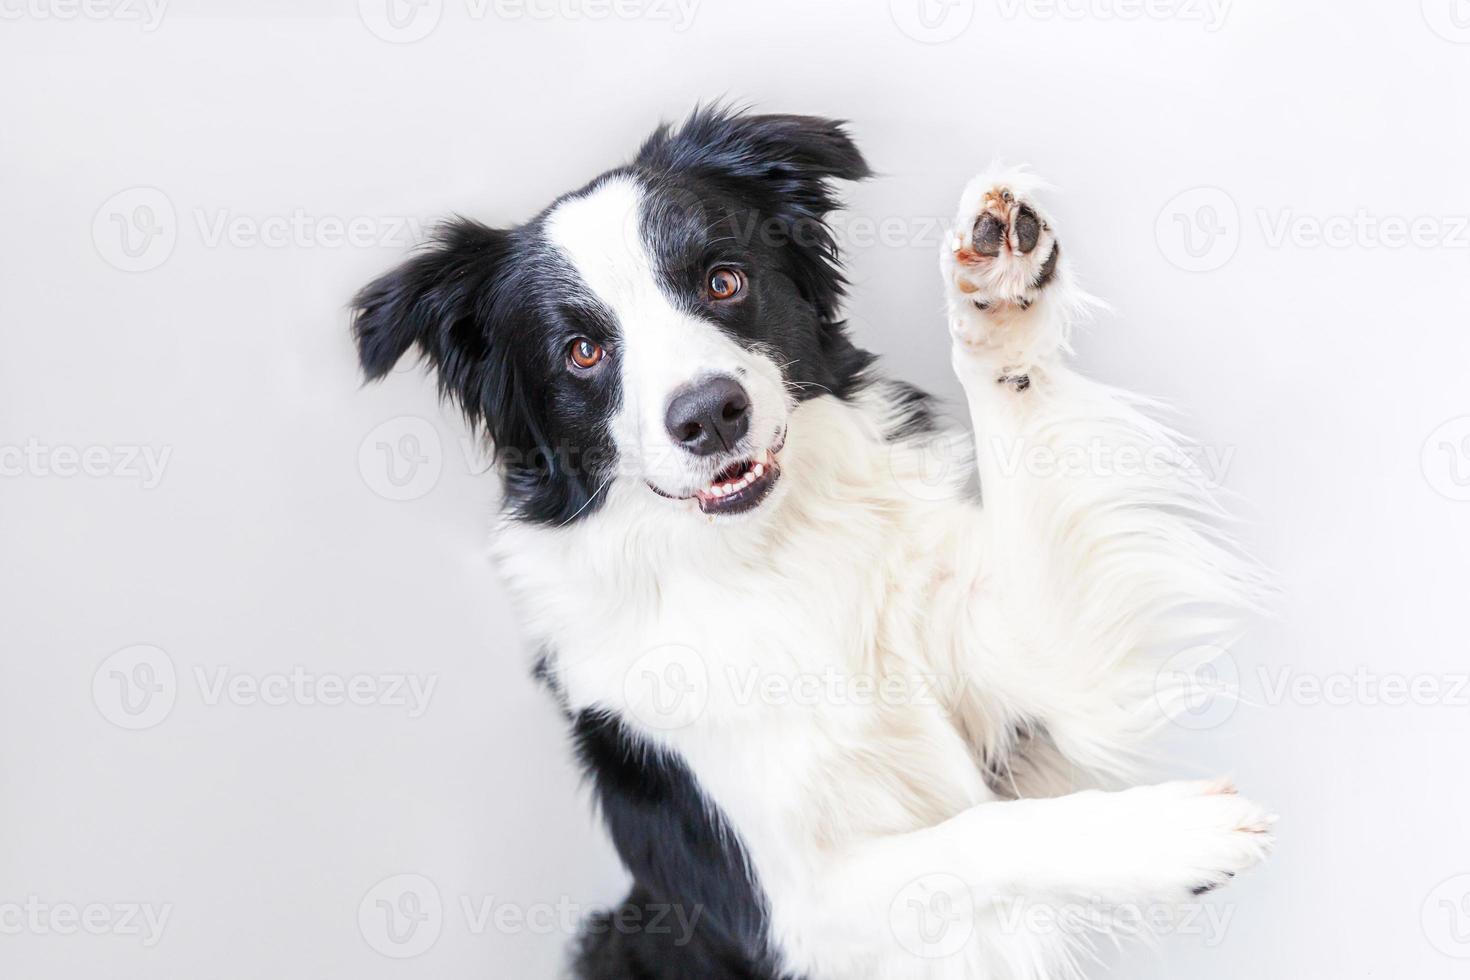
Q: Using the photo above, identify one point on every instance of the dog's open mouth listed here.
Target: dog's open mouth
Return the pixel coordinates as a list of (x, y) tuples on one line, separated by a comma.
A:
[(739, 486)]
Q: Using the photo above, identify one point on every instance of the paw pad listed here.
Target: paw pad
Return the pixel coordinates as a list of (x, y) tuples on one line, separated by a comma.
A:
[(1007, 254)]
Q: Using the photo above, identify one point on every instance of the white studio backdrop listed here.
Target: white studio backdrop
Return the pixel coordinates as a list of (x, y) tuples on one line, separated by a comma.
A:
[(263, 704)]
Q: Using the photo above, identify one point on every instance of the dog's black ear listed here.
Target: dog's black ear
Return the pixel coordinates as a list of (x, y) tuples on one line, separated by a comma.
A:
[(447, 302), (785, 166), (436, 300), (798, 155)]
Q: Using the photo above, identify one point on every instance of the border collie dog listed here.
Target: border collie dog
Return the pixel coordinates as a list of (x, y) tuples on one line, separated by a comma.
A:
[(844, 713)]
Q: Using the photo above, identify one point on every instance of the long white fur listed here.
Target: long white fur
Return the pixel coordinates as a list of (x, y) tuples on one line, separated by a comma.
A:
[(1022, 636)]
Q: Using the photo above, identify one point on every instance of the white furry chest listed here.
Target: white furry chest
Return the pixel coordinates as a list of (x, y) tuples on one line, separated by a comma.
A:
[(710, 654), (794, 681)]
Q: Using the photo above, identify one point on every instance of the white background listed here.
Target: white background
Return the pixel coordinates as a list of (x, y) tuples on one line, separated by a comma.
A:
[(1323, 373)]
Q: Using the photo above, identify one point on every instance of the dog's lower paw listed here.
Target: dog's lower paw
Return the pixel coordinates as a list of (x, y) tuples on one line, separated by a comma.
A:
[(1198, 836), (1001, 268)]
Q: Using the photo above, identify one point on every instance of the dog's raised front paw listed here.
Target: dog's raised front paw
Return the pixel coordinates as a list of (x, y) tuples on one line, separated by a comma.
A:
[(1004, 275)]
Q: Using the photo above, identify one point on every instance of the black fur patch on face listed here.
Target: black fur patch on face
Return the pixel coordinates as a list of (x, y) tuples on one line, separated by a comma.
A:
[(494, 311), (781, 310), (753, 193)]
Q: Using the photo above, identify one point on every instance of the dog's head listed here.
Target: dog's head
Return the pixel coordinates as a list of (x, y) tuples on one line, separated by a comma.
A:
[(656, 326)]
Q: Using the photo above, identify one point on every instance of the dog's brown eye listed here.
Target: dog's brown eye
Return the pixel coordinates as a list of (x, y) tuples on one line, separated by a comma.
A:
[(584, 353), (725, 283)]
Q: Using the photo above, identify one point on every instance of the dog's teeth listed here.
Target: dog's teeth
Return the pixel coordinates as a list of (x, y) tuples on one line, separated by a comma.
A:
[(760, 469)]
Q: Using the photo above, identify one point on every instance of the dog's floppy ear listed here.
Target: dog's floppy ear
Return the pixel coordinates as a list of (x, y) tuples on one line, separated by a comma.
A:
[(433, 300), (785, 166), (796, 154), (444, 302)]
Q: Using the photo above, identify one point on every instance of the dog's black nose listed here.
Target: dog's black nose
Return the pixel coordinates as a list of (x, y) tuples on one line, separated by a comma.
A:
[(710, 416)]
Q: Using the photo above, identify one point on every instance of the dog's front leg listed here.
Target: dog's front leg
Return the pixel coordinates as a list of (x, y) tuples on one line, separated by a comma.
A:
[(1100, 556), (1154, 844)]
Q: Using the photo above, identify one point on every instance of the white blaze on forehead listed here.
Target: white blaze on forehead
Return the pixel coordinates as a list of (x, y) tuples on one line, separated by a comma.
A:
[(600, 235), (659, 347)]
